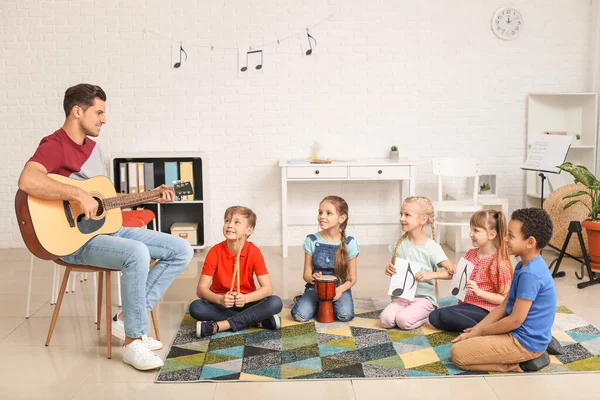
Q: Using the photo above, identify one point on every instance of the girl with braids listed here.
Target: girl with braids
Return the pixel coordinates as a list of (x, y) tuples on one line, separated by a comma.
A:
[(414, 245), (329, 252), (490, 280)]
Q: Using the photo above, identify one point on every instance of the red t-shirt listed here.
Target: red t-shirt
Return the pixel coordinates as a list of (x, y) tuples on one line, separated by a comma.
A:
[(486, 280), (220, 262), (61, 155)]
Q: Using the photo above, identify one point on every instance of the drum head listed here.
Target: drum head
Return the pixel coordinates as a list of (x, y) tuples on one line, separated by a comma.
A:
[(327, 278)]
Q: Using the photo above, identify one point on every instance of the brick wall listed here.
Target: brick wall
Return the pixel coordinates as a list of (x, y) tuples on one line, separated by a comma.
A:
[(427, 76)]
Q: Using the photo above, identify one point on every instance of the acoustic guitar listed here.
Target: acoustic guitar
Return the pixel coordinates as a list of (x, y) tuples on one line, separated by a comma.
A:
[(56, 228)]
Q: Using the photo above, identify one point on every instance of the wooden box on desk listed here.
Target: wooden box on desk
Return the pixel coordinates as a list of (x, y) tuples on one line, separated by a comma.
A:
[(187, 231)]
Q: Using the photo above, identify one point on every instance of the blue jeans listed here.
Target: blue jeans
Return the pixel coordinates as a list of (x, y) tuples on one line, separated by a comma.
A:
[(308, 304), (238, 317), (129, 250), (457, 318)]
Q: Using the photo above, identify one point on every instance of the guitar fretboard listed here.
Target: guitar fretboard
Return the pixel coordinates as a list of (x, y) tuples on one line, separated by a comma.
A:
[(128, 200)]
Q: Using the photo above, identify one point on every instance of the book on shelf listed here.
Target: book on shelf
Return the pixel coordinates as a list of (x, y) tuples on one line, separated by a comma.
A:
[(186, 172), (133, 177), (171, 174), (149, 175), (123, 188), (141, 182)]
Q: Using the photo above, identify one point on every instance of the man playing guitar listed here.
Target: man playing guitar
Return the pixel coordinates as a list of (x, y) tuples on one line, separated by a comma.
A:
[(72, 153)]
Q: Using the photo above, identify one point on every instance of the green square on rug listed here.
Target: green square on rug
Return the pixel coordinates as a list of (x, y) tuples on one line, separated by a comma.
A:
[(357, 349)]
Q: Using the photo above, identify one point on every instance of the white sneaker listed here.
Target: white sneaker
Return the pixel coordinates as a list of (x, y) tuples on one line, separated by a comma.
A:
[(139, 356), (118, 330), (118, 327), (152, 343)]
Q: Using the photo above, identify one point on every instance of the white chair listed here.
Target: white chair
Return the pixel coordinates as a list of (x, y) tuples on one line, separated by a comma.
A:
[(455, 209)]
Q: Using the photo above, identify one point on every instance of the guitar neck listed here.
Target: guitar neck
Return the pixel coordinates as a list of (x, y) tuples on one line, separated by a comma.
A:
[(128, 200)]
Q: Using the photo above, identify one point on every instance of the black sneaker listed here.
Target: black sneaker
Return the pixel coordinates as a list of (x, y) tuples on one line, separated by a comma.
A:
[(555, 347), (272, 323), (206, 328), (536, 364)]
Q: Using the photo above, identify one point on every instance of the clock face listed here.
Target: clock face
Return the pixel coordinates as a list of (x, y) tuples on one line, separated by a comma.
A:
[(507, 23)]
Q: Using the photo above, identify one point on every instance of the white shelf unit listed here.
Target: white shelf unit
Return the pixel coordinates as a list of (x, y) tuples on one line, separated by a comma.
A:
[(177, 211), (574, 113)]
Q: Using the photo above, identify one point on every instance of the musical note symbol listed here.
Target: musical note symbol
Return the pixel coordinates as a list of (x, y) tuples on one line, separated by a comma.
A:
[(456, 290), (258, 66), (398, 292), (309, 51), (181, 50)]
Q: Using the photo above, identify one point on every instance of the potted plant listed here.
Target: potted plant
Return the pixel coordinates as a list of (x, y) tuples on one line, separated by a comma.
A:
[(484, 187), (577, 140), (592, 224), (394, 153)]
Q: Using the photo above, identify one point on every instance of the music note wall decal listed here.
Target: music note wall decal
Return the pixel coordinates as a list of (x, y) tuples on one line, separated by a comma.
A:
[(259, 65), (181, 50), (309, 51), (398, 291)]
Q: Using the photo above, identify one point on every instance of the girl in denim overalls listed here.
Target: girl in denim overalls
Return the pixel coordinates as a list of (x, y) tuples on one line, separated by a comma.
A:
[(329, 252)]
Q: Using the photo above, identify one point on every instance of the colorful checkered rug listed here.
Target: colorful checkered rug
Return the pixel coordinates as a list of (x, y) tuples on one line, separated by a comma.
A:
[(346, 350)]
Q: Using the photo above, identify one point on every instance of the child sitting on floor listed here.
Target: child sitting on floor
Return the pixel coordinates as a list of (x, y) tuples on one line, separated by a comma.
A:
[(515, 336), (221, 306)]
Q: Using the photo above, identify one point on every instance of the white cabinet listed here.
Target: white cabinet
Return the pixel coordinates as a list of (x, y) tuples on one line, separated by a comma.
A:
[(574, 113), (191, 210)]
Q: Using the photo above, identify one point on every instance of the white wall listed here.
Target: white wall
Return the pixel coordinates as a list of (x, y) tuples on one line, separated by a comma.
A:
[(428, 76)]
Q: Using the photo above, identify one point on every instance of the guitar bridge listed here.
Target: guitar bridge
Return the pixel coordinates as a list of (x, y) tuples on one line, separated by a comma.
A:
[(69, 213)]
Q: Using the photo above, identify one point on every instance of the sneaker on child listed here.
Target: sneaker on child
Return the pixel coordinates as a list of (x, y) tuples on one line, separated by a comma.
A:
[(272, 323), (206, 328), (118, 330), (138, 355)]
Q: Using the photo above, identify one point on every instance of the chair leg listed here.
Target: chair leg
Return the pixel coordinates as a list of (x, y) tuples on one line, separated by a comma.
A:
[(99, 306), (108, 315), (63, 286), (27, 315), (119, 288), (73, 280), (95, 275), (155, 323), (53, 295)]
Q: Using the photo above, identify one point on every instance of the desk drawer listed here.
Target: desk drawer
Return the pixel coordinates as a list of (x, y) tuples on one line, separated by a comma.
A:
[(380, 172), (317, 172)]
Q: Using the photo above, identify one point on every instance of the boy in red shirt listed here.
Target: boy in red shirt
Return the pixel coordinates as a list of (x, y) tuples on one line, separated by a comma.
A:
[(218, 309)]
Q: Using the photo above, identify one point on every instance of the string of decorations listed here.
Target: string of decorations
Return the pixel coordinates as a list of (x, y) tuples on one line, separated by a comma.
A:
[(252, 50)]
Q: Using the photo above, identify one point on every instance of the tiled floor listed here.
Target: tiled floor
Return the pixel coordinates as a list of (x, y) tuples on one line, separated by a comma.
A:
[(75, 366)]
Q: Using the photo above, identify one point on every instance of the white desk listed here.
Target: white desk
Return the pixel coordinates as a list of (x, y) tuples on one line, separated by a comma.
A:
[(377, 169)]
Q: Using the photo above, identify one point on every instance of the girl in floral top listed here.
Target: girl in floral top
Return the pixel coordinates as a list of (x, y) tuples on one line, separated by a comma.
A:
[(490, 280)]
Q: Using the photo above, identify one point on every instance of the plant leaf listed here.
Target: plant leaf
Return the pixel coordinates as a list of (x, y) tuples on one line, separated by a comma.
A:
[(580, 193), (569, 204)]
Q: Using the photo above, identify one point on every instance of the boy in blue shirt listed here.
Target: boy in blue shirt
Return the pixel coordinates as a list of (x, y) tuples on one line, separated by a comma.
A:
[(515, 335)]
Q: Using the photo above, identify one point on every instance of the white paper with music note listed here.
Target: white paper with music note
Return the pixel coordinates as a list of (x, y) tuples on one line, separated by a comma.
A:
[(250, 61), (403, 283), (464, 269)]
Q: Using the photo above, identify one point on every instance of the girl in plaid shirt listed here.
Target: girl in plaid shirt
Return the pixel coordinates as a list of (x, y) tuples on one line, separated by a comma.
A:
[(489, 283)]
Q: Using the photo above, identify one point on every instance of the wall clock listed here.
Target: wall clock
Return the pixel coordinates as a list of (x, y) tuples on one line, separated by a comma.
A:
[(507, 23)]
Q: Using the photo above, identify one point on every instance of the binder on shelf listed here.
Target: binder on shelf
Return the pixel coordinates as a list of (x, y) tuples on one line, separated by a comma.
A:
[(141, 182), (149, 175), (171, 173), (186, 172), (133, 177), (123, 188)]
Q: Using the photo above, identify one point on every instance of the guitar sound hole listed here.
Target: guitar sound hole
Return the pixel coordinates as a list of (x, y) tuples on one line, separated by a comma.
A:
[(100, 210)]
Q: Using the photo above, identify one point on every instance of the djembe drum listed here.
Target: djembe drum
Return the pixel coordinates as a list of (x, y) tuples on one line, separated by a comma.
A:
[(325, 287)]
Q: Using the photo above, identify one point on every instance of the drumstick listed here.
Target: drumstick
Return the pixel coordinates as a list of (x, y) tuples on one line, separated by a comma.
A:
[(236, 269)]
